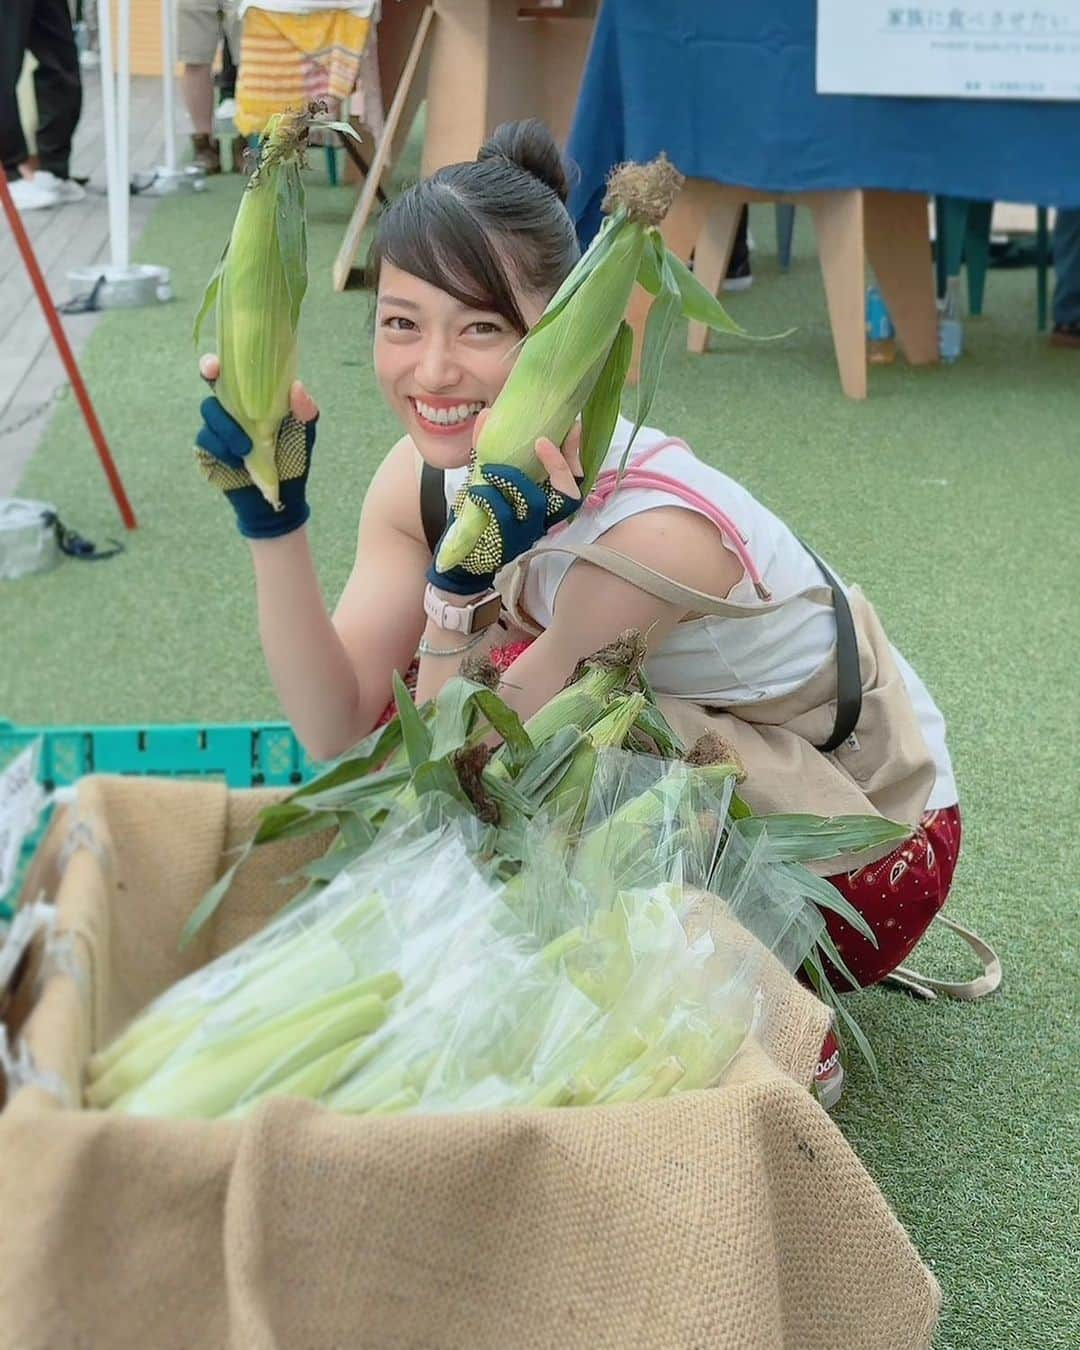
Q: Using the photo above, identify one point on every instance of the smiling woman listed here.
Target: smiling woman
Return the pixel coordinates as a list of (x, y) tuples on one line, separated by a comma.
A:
[(748, 632)]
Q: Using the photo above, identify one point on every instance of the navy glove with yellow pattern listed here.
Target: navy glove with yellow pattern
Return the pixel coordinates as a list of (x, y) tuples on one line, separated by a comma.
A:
[(221, 447)]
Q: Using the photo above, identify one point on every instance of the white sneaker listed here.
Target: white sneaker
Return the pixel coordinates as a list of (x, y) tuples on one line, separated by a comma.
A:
[(66, 190), (30, 194)]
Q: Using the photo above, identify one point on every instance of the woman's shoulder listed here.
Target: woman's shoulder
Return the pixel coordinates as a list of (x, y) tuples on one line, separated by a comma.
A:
[(393, 496)]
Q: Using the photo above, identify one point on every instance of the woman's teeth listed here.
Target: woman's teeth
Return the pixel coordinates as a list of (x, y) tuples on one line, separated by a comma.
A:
[(447, 417)]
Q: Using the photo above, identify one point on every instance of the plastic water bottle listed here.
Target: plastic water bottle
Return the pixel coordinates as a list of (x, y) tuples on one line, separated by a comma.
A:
[(950, 324), (880, 334)]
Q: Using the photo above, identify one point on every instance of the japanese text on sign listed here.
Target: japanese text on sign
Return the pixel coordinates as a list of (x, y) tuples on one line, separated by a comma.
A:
[(959, 51)]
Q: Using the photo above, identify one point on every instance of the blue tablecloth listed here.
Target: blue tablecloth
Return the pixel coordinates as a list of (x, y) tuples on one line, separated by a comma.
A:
[(727, 89)]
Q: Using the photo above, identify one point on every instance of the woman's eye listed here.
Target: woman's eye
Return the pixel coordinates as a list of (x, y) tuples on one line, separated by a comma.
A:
[(484, 327), (398, 323)]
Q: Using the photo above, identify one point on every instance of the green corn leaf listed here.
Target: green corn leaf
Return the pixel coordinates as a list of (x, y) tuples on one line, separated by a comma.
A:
[(806, 838), (602, 407), (210, 902), (368, 755), (595, 253), (829, 949), (546, 768), (342, 128), (506, 794), (455, 709), (358, 795), (286, 821), (652, 722), (823, 894), (437, 775), (292, 238), (737, 808), (663, 312), (330, 865), (283, 819), (416, 736), (828, 995), (210, 296), (650, 274), (504, 720), (699, 304), (355, 830)]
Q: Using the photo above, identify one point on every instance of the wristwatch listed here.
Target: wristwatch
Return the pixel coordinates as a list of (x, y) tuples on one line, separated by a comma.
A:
[(473, 617)]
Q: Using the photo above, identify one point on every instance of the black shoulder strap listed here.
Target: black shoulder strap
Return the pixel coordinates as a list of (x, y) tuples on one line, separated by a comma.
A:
[(432, 504), (848, 675)]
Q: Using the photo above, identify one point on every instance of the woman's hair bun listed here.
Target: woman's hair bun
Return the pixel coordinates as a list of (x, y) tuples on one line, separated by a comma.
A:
[(530, 145)]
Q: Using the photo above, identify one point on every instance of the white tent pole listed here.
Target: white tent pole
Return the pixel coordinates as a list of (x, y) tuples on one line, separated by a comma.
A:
[(168, 77), (123, 126), (117, 192)]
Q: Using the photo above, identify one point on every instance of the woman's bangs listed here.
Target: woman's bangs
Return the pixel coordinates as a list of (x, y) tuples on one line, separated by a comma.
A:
[(441, 242)]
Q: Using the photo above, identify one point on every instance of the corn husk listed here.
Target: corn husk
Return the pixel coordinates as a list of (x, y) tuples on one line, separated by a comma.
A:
[(575, 359)]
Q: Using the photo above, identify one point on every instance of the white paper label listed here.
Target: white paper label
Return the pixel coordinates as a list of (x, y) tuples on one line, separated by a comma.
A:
[(22, 800)]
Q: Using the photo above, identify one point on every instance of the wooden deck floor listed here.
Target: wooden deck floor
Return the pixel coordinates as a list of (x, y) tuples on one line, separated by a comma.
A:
[(65, 237)]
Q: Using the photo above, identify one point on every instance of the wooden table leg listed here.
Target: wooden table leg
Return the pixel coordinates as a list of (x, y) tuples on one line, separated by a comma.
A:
[(712, 253), (898, 249), (681, 228), (838, 221)]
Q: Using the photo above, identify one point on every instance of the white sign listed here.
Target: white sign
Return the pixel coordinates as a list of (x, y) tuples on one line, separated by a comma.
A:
[(972, 50)]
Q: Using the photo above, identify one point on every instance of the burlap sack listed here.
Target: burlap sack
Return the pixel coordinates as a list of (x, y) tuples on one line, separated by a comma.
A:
[(732, 1218)]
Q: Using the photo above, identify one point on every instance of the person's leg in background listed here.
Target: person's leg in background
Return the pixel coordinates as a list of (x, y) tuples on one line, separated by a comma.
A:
[(42, 27), (739, 276), (197, 32), (15, 18), (58, 89), (1067, 284), (227, 85), (231, 35)]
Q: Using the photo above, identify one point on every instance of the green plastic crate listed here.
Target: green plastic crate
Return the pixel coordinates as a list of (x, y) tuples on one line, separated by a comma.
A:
[(265, 754)]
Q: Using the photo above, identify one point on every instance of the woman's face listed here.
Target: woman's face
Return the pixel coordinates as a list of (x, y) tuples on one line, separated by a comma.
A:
[(439, 363)]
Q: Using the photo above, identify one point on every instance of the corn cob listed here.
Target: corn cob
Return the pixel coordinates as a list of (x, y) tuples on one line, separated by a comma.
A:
[(213, 1082), (575, 358), (610, 731), (258, 287), (583, 700)]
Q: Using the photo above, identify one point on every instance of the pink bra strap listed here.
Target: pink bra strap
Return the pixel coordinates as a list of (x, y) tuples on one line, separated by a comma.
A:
[(637, 477)]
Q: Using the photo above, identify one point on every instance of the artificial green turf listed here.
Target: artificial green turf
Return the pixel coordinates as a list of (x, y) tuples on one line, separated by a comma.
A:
[(951, 495)]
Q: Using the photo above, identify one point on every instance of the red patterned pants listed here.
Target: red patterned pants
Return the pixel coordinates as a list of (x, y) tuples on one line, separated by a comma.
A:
[(897, 895)]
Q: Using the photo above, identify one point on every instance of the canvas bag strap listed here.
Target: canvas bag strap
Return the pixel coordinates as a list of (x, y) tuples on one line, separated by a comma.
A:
[(432, 503), (849, 677), (664, 588), (967, 990), (848, 674)]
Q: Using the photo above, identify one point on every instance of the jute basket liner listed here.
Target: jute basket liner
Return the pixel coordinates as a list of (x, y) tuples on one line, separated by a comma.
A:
[(732, 1218)]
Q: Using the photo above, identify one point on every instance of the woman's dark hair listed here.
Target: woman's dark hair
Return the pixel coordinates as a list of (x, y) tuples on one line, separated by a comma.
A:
[(483, 229)]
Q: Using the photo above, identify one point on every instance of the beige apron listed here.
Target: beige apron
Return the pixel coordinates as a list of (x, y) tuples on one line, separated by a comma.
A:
[(884, 767)]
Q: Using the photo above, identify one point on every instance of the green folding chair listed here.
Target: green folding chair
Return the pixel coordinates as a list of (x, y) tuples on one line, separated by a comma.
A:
[(963, 239)]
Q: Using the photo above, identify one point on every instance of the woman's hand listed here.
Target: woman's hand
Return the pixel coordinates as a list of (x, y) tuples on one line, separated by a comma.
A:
[(222, 445), (519, 511)]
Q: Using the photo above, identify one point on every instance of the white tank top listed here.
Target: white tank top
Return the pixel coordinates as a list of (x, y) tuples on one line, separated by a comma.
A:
[(714, 660)]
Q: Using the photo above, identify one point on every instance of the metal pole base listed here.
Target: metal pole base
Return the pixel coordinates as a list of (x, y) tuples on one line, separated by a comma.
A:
[(122, 287), (166, 182)]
